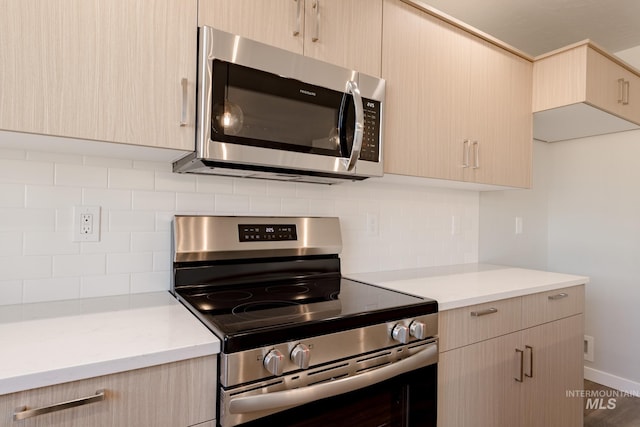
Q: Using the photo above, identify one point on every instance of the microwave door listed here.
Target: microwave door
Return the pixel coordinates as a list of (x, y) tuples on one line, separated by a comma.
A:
[(352, 94)]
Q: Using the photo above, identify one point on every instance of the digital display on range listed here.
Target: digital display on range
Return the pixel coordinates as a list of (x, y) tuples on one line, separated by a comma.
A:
[(267, 232)]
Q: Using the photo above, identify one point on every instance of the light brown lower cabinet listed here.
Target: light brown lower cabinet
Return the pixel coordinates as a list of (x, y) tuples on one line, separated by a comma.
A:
[(519, 378), (179, 394)]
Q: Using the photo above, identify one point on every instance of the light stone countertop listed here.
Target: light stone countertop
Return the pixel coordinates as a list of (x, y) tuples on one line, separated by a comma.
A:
[(469, 284), (55, 342)]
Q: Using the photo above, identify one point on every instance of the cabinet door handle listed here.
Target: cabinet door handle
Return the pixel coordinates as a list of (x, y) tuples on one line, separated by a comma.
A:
[(484, 312), (466, 146), (183, 116), (530, 373), (476, 157), (620, 91), (627, 86), (316, 36), (23, 413), (558, 296), (296, 29), (521, 377)]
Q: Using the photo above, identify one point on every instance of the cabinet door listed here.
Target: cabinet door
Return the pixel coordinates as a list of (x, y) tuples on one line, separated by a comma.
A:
[(477, 386), (612, 87), (499, 116), (426, 65), (345, 32), (555, 356), (279, 23), (177, 394), (100, 70)]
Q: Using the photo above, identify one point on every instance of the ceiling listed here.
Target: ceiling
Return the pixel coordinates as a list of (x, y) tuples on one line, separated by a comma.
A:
[(539, 26)]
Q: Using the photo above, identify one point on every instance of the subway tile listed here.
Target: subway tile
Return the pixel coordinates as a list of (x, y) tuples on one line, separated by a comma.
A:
[(281, 189), (307, 190), (12, 219), (250, 187), (322, 207), (49, 243), (18, 267), (11, 154), (153, 166), (291, 206), (52, 197), (81, 176), (163, 221), (108, 162), (64, 219), (129, 263), (12, 195), (110, 242), (162, 261), (159, 241), (214, 184), (265, 205), (131, 179), (11, 292), (79, 265), (107, 198), (51, 289), (131, 221), (168, 181), (232, 204), (107, 285), (195, 202), (43, 156), (11, 243), (25, 172), (150, 282), (153, 201)]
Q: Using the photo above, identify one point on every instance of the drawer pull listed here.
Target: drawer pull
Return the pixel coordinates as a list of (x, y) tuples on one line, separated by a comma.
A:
[(520, 378), (23, 413), (484, 312), (530, 374), (558, 296)]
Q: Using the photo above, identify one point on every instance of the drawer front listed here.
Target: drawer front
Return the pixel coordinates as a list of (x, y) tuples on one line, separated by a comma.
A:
[(545, 307), (471, 324), (177, 394)]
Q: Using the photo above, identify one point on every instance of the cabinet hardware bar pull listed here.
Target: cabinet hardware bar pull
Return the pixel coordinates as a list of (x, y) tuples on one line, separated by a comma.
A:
[(466, 146), (521, 378), (183, 117), (558, 296), (476, 163), (316, 36), (530, 374), (484, 312), (620, 91), (296, 29), (23, 413), (625, 99)]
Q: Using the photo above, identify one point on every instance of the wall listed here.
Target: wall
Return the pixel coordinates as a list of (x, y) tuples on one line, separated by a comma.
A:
[(582, 217), (39, 262)]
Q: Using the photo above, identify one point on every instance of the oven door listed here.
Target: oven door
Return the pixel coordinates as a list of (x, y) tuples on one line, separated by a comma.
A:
[(401, 393), (266, 108)]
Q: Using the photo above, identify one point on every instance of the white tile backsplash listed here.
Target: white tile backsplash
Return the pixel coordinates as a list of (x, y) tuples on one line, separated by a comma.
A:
[(39, 262)]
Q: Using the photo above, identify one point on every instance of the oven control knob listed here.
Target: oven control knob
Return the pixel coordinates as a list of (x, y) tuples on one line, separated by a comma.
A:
[(274, 362), (400, 333), (301, 355), (418, 330)]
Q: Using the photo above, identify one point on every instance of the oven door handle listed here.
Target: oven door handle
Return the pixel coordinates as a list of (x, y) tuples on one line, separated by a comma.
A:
[(300, 396)]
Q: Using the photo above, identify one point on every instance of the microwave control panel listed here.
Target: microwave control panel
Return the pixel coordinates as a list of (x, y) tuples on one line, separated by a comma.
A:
[(371, 136)]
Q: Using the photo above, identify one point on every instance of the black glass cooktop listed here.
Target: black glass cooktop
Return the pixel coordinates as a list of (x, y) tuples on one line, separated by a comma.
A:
[(248, 316)]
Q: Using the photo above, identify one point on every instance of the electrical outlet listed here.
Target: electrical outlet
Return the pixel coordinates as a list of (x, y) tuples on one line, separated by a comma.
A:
[(518, 225), (588, 348), (86, 224), (372, 224)]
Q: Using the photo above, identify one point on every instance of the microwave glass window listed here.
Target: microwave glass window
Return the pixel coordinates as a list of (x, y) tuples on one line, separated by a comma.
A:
[(253, 107)]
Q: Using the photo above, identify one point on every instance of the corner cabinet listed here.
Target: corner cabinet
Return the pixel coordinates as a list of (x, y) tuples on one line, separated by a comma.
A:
[(458, 107), (581, 90), (179, 394), (118, 71), (347, 33), (512, 362)]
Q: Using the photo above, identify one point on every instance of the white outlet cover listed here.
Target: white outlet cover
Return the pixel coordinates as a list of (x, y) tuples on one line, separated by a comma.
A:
[(78, 212)]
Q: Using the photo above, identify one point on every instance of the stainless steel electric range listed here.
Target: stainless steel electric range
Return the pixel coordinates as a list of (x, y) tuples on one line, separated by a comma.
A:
[(301, 344)]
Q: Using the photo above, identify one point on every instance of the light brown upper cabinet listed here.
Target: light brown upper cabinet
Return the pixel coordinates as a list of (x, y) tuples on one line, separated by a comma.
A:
[(119, 71), (458, 107), (343, 32), (581, 91)]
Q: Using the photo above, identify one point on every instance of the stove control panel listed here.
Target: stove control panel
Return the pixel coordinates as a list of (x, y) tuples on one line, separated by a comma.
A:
[(274, 362), (400, 333), (301, 356), (267, 232)]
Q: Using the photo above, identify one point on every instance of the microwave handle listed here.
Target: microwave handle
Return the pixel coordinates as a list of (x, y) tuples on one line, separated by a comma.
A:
[(349, 163)]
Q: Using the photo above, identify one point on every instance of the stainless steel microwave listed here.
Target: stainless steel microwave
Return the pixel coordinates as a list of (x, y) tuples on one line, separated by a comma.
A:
[(264, 112)]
